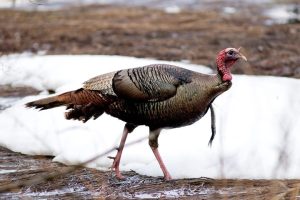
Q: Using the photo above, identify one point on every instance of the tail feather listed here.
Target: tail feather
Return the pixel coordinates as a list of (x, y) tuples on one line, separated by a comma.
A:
[(81, 104), (46, 103), (84, 112)]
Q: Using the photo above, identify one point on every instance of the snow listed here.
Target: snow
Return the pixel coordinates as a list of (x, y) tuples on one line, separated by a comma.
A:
[(173, 9), (258, 122), (7, 171), (229, 10), (281, 14), (42, 5)]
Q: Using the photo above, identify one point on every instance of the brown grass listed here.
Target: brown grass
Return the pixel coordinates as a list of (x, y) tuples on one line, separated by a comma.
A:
[(140, 32)]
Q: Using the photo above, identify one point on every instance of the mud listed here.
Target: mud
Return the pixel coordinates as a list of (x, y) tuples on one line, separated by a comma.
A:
[(85, 183), (193, 36), (17, 91)]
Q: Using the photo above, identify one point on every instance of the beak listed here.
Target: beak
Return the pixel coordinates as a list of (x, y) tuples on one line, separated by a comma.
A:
[(241, 55)]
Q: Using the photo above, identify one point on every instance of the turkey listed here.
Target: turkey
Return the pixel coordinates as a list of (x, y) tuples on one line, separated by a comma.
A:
[(159, 96)]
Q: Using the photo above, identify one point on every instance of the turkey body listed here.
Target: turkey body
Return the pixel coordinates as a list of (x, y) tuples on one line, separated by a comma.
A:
[(181, 96), (158, 96)]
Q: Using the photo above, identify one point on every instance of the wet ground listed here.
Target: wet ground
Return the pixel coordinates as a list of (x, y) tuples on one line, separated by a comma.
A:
[(31, 176), (192, 36)]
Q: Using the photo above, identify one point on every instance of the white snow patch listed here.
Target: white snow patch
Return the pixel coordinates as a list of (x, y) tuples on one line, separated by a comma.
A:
[(258, 122), (7, 171), (7, 102), (172, 9), (66, 72), (229, 10), (281, 14), (45, 5)]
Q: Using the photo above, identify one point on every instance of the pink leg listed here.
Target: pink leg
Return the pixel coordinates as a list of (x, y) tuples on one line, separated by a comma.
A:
[(153, 142), (167, 175), (117, 159)]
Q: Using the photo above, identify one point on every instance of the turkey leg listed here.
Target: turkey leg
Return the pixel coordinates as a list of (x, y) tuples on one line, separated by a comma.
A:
[(153, 136), (128, 128)]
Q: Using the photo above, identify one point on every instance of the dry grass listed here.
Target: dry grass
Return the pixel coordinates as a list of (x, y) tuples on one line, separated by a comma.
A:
[(140, 32)]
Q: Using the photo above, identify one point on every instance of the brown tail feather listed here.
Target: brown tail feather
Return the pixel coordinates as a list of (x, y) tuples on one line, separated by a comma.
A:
[(46, 103), (85, 112), (83, 104)]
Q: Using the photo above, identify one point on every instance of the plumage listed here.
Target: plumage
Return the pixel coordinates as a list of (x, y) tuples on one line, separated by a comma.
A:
[(158, 96)]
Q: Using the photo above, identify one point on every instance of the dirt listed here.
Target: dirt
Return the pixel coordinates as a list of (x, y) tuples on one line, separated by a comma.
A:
[(85, 183), (190, 36), (17, 91)]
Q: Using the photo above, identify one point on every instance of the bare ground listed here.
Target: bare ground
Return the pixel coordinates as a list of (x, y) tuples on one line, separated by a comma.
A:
[(194, 36), (85, 183)]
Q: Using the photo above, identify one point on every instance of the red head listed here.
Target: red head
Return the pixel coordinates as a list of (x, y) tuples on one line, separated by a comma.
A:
[(225, 59)]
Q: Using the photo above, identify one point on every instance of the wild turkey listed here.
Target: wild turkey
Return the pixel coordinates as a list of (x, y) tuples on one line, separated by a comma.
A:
[(158, 96)]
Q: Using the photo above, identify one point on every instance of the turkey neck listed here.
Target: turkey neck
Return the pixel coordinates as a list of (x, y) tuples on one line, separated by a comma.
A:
[(193, 99), (205, 88), (211, 85), (196, 97)]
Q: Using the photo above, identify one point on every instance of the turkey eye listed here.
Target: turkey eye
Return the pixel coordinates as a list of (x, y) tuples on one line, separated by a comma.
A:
[(230, 53)]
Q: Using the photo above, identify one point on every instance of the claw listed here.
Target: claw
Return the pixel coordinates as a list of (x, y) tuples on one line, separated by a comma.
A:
[(115, 168), (167, 177), (111, 157), (119, 176)]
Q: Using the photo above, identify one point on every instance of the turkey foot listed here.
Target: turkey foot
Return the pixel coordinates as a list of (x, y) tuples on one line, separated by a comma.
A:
[(167, 175), (115, 166)]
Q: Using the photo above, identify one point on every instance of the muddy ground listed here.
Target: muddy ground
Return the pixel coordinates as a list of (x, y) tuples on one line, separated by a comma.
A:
[(194, 36), (85, 183)]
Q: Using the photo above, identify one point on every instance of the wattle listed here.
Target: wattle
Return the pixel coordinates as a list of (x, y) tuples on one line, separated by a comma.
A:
[(226, 77)]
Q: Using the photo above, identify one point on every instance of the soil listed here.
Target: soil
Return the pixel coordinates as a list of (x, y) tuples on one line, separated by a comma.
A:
[(85, 183), (141, 32), (17, 91)]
